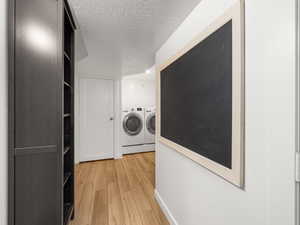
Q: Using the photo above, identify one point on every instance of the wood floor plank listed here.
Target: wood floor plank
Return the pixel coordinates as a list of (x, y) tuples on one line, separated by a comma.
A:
[(101, 179), (122, 176), (115, 208), (100, 211), (117, 192)]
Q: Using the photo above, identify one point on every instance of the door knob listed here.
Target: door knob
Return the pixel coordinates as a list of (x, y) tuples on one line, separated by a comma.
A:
[(111, 118)]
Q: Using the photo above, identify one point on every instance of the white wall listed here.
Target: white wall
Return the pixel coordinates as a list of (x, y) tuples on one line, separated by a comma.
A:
[(194, 195), (139, 90), (3, 113), (81, 50)]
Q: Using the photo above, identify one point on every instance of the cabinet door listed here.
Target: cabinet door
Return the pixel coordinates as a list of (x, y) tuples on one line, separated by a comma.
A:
[(36, 187), (37, 113)]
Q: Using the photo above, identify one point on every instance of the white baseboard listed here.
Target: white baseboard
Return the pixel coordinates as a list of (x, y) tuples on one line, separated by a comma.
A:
[(165, 208), (118, 156), (138, 148), (96, 158)]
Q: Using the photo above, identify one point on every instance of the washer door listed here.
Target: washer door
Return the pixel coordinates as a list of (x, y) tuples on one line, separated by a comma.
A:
[(132, 124), (151, 123)]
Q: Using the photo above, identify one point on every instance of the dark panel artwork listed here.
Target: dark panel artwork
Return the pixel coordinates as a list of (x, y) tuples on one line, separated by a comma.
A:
[(196, 98)]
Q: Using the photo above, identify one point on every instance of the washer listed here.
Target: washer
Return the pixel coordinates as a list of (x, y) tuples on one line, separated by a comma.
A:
[(150, 126), (133, 127)]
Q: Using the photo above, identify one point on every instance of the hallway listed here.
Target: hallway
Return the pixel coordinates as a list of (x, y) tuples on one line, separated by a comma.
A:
[(117, 192)]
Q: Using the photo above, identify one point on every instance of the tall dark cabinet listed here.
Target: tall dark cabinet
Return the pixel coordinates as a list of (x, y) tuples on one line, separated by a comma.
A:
[(41, 112)]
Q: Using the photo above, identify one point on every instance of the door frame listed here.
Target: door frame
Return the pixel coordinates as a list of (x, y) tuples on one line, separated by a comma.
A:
[(297, 104), (117, 153)]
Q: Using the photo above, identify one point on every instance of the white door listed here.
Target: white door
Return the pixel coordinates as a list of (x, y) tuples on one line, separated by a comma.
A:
[(96, 119)]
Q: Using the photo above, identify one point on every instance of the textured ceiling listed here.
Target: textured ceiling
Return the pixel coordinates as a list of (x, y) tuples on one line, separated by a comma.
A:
[(122, 36)]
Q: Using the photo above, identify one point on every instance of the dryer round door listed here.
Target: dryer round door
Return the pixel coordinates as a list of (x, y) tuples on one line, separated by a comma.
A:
[(132, 124), (151, 123)]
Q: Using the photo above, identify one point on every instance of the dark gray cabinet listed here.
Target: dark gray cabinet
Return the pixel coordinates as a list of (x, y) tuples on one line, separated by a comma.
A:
[(36, 187), (41, 111), (37, 73)]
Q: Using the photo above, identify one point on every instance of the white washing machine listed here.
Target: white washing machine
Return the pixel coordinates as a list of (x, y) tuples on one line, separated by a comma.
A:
[(132, 127), (150, 126)]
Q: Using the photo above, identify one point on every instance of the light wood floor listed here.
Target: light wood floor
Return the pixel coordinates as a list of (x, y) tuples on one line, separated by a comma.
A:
[(117, 192)]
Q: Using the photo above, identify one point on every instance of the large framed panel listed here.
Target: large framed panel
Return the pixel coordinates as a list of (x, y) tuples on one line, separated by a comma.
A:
[(201, 98)]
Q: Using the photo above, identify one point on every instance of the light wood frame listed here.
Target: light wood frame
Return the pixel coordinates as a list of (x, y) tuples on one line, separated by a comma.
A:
[(236, 174)]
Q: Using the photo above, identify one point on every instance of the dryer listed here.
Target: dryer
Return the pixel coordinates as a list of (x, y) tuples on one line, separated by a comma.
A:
[(150, 126), (132, 127)]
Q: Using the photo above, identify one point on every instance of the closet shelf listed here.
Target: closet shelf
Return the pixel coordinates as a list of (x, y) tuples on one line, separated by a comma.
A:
[(67, 177), (70, 17), (67, 84), (67, 149), (68, 210), (66, 56)]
